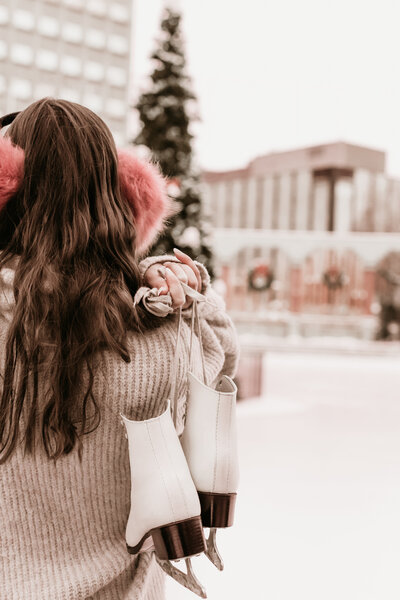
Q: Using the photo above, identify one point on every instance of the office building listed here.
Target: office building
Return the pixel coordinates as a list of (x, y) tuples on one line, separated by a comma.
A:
[(74, 49)]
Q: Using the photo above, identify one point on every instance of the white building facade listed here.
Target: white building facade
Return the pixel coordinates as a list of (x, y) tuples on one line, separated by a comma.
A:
[(78, 50), (306, 217), (331, 187), (318, 223)]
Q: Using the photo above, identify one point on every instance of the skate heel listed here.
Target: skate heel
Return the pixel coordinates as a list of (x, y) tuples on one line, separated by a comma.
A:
[(217, 510), (179, 540)]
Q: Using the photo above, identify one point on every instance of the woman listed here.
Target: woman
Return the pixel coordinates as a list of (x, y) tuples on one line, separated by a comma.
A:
[(76, 352)]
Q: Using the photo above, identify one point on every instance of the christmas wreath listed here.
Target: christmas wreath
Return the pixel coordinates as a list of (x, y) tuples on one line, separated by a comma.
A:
[(260, 278), (333, 278)]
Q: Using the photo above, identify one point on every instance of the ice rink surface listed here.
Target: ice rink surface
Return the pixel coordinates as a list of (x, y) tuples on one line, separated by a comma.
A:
[(318, 509)]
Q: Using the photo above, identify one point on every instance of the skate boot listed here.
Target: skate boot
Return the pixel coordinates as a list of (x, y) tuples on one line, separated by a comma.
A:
[(165, 508), (209, 441)]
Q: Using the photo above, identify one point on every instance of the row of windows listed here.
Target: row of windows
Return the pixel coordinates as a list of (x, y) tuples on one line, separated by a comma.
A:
[(22, 89), (100, 8), (25, 20), (70, 32), (296, 201), (69, 65)]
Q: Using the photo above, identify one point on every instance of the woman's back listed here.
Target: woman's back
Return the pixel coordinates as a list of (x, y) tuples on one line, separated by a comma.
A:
[(76, 352), (63, 524)]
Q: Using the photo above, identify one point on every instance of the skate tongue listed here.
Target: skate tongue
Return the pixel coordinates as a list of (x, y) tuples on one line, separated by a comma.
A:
[(188, 580)]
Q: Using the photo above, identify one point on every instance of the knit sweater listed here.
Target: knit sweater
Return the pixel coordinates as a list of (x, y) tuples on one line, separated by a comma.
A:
[(63, 525)]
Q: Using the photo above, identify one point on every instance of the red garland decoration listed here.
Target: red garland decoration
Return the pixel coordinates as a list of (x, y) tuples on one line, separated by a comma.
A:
[(333, 278), (260, 278)]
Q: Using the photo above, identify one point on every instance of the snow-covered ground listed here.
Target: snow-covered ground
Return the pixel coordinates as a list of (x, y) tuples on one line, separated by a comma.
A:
[(318, 510)]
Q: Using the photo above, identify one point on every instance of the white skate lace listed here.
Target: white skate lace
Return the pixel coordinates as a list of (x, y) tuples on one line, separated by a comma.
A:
[(161, 305)]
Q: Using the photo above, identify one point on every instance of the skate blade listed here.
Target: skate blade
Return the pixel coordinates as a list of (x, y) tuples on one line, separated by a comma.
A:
[(212, 551), (188, 580)]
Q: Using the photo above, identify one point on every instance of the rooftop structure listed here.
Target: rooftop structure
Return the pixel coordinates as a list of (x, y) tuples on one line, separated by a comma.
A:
[(337, 155)]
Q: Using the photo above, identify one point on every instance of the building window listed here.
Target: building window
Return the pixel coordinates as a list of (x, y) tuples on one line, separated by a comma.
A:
[(116, 76), (94, 102), (21, 89), (96, 7), (70, 94), (21, 55), (3, 50), (115, 108), (48, 26), (46, 60), (4, 15), (284, 202), (119, 12), (71, 66), (42, 90), (95, 38), (220, 195), (24, 20), (72, 33), (93, 71), (320, 217), (235, 199), (118, 44)]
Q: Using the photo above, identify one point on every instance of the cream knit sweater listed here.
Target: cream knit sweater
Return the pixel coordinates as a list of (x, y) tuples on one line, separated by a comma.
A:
[(62, 527)]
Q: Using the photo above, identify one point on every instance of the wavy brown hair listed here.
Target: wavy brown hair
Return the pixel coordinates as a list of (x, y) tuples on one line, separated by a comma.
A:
[(76, 275)]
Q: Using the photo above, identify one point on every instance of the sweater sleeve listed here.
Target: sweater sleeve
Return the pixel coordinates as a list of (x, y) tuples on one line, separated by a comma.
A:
[(217, 328), (151, 260)]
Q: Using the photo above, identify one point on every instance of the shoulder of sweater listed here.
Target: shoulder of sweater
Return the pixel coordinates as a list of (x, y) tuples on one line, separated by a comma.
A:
[(7, 300)]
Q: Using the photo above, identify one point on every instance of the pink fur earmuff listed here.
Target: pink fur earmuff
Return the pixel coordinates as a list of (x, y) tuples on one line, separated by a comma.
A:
[(144, 188), (11, 169), (141, 184)]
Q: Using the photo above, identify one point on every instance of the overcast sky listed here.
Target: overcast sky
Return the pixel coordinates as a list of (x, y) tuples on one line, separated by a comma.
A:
[(276, 75)]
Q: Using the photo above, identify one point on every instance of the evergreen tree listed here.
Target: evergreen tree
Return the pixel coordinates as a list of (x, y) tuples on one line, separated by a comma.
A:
[(164, 113)]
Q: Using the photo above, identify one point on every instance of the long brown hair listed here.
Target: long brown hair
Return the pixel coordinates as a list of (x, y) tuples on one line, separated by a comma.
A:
[(75, 279)]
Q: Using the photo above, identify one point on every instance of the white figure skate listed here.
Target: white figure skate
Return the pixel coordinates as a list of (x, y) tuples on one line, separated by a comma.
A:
[(209, 441), (165, 508)]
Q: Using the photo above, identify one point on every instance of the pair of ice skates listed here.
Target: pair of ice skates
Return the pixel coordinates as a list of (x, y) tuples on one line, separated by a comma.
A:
[(180, 486)]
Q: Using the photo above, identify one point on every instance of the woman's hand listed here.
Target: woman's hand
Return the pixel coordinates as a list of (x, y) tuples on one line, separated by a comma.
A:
[(185, 271)]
